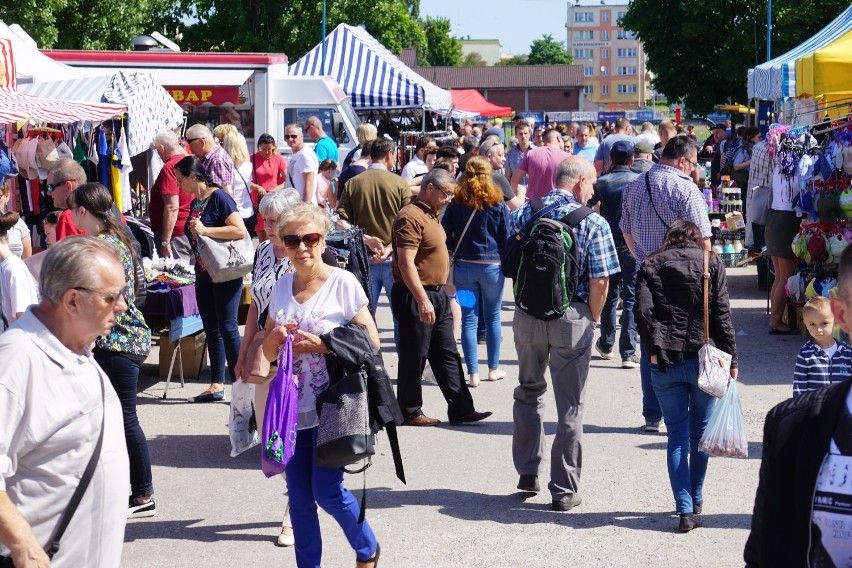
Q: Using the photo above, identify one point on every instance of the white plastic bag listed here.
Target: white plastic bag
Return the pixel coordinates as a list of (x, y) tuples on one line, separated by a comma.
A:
[(725, 435), (241, 421)]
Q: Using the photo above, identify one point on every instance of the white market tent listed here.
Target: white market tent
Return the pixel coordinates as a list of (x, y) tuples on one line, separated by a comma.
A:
[(370, 74), (150, 108), (776, 79)]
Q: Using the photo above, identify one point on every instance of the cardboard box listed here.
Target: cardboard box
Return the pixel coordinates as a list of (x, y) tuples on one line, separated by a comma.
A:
[(193, 353), (735, 221)]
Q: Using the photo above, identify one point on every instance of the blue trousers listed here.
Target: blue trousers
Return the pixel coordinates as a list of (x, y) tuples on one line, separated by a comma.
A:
[(218, 304), (650, 405), (309, 486), (629, 336), (381, 276), (686, 411), (485, 283)]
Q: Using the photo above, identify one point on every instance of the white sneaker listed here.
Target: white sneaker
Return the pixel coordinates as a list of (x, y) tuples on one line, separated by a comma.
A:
[(286, 539), (603, 354)]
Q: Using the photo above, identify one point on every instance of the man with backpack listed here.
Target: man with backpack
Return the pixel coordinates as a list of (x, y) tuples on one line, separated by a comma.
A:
[(561, 275)]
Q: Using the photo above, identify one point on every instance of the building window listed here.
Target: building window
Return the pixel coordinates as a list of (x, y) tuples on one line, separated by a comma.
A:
[(584, 17), (588, 71), (626, 89), (627, 70), (627, 52), (620, 15), (588, 89), (605, 35), (605, 53), (584, 53), (604, 71), (604, 15), (624, 34), (604, 89), (584, 34)]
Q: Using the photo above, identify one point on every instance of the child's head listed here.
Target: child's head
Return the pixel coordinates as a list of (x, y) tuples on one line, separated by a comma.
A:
[(818, 319), (49, 225), (328, 168), (842, 305)]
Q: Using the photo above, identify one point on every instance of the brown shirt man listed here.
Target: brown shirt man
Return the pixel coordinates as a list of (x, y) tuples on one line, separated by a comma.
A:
[(417, 227)]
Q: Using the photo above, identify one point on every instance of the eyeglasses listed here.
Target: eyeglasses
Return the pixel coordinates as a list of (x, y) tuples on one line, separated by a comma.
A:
[(110, 299), (191, 140), (447, 195), (694, 164), (52, 186), (292, 241), (291, 136), (307, 127)]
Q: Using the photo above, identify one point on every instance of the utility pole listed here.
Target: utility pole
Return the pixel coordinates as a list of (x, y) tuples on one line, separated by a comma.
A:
[(769, 30)]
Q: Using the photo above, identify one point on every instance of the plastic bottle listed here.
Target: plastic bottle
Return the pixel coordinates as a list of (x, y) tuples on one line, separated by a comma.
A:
[(727, 248), (718, 248), (738, 246)]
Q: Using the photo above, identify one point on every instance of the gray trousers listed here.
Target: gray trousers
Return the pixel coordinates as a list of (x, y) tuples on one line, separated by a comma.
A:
[(181, 248), (566, 346)]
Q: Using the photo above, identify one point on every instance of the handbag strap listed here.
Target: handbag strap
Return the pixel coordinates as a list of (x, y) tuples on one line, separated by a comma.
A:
[(706, 278), (464, 232), (65, 519), (651, 199)]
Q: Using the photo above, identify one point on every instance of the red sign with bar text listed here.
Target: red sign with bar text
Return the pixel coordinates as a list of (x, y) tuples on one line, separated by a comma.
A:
[(199, 95)]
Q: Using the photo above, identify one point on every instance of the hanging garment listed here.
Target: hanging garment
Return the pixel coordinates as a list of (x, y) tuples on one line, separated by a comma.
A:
[(125, 167), (104, 162)]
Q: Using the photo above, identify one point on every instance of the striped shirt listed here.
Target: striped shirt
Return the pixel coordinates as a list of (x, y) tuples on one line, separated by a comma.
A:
[(595, 248), (760, 171), (815, 369), (675, 197)]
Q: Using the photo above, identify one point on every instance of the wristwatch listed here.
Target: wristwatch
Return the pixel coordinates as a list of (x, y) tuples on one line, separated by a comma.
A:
[(164, 243)]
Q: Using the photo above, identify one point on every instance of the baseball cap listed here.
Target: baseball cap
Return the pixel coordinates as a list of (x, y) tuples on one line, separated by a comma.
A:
[(720, 126), (643, 148), (621, 152)]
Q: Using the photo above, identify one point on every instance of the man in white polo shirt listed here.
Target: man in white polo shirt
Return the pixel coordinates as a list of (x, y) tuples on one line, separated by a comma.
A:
[(54, 403)]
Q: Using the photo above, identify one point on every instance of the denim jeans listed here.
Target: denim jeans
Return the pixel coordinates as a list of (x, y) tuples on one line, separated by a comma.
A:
[(650, 404), (381, 275), (629, 337), (686, 411), (123, 373), (309, 486), (485, 282), (217, 304)]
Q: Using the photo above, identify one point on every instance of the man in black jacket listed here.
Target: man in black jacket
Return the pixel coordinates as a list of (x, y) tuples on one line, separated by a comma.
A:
[(802, 513)]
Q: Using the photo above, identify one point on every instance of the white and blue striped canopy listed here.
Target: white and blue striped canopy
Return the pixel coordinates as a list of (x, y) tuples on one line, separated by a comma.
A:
[(776, 79), (371, 75)]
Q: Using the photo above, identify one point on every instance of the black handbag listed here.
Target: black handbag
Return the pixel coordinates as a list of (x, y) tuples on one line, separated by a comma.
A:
[(344, 435), (53, 545)]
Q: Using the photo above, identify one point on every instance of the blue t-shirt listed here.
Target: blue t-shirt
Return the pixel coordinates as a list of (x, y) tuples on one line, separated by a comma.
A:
[(606, 146), (587, 152), (326, 149), (212, 212)]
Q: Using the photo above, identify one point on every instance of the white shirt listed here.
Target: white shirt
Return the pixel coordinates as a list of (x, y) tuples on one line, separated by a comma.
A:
[(648, 137), (414, 168), (18, 289), (333, 305), (50, 418), (304, 161), (242, 192), (16, 236)]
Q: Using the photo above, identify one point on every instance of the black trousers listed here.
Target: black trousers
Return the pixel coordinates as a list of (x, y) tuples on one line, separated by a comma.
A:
[(419, 342)]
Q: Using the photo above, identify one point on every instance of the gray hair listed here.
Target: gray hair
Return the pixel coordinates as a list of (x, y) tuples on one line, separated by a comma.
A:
[(439, 178), (303, 211), (168, 139), (199, 131), (488, 146), (68, 265), (277, 201), (647, 127), (68, 169), (571, 169)]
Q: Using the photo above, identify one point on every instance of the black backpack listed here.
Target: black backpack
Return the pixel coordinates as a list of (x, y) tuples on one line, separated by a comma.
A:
[(548, 273)]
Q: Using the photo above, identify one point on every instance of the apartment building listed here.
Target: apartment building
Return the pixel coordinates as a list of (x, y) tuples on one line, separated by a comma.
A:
[(614, 73)]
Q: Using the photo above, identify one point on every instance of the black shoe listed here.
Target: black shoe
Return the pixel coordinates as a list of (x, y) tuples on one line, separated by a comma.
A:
[(696, 508), (472, 416), (529, 483), (480, 338), (689, 522), (141, 510), (566, 503)]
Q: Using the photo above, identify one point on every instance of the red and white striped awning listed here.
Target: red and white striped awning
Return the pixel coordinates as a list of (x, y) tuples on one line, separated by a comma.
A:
[(15, 106)]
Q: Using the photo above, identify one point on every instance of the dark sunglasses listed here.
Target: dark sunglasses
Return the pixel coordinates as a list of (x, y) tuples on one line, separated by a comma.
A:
[(108, 298), (292, 241), (291, 136), (191, 140), (52, 186)]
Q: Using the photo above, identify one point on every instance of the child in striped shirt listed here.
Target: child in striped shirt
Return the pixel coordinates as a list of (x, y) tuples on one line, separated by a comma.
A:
[(822, 360)]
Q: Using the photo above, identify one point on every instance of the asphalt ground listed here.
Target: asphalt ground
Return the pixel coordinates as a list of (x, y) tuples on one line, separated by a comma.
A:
[(460, 507)]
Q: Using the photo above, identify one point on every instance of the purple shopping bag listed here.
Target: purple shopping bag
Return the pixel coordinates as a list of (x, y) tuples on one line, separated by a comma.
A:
[(281, 416)]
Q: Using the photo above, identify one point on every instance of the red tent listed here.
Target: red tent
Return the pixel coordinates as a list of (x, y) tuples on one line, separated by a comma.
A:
[(471, 101)]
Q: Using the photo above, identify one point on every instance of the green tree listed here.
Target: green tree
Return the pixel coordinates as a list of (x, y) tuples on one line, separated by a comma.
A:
[(705, 62), (83, 24), (513, 60), (548, 51), (474, 59), (441, 47)]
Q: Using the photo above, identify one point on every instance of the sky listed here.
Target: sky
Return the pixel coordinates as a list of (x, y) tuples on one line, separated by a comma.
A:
[(516, 23)]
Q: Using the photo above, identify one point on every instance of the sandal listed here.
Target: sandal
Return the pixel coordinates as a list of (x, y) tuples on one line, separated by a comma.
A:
[(374, 559), (496, 374), (473, 380)]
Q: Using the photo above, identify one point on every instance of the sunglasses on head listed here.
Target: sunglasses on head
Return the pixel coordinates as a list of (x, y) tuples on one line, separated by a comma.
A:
[(292, 241)]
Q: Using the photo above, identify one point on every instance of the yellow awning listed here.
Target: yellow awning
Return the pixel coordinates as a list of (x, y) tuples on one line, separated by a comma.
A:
[(827, 71)]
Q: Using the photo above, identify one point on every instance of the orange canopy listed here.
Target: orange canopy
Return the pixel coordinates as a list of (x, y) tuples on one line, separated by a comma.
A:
[(471, 101)]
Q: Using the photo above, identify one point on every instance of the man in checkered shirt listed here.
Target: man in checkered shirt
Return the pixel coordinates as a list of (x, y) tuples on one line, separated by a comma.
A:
[(565, 342), (218, 165), (651, 203)]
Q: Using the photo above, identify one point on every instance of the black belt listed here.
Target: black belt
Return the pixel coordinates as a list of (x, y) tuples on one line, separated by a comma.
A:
[(433, 288)]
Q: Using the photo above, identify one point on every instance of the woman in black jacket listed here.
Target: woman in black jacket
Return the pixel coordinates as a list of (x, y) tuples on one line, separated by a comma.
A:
[(669, 313)]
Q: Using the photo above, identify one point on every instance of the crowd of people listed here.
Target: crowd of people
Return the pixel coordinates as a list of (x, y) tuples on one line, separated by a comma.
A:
[(640, 238)]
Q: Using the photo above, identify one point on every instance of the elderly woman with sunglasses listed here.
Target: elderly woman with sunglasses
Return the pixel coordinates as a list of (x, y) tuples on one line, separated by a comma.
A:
[(213, 213), (306, 303)]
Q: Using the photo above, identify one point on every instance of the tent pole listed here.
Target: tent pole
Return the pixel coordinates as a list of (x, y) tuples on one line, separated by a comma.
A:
[(769, 30), (322, 63)]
